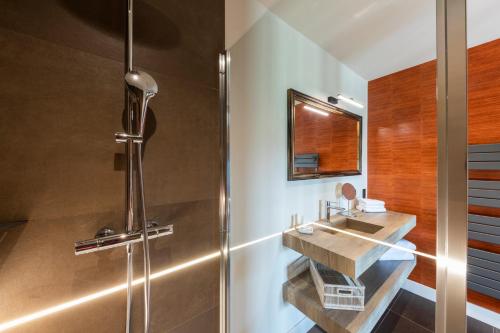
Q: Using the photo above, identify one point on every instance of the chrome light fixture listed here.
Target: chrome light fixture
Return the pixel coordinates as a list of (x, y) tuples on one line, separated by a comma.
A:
[(350, 101)]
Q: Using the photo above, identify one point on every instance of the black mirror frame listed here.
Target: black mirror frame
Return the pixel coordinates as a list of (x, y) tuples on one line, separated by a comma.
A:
[(291, 96)]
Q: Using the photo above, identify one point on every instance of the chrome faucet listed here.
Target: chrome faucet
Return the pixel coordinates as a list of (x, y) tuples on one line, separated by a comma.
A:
[(329, 207)]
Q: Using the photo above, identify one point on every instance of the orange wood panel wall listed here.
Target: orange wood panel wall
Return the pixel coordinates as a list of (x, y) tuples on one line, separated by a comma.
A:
[(402, 139), (330, 137)]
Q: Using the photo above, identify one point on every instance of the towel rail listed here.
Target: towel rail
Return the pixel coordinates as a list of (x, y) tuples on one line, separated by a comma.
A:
[(483, 267)]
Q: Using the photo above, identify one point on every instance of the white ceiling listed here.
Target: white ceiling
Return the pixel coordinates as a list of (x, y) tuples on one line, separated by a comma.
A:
[(372, 37)]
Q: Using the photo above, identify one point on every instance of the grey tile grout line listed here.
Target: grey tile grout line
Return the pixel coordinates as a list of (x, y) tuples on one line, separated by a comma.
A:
[(109, 58), (493, 329), (191, 319), (404, 317), (395, 299), (381, 320)]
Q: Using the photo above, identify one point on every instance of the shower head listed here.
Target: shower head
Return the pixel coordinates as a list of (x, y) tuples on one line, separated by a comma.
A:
[(143, 87), (141, 83)]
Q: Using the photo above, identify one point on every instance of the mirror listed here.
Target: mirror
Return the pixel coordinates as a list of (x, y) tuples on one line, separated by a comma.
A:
[(323, 140)]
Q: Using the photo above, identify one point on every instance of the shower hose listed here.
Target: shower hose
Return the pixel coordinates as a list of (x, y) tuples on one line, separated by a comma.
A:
[(144, 225)]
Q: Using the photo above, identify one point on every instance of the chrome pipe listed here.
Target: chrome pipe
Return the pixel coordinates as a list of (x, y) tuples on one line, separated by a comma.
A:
[(129, 148), (129, 152), (129, 39), (123, 239), (224, 194)]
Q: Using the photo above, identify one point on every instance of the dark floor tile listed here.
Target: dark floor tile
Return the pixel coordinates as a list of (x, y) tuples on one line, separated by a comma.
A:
[(476, 326), (415, 308), (316, 329), (395, 298), (394, 324), (412, 313), (377, 325)]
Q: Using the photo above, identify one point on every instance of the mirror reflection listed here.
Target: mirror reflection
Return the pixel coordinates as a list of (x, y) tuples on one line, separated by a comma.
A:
[(324, 140)]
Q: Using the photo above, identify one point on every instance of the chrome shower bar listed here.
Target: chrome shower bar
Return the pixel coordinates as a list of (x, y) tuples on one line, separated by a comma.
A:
[(129, 155), (108, 242), (124, 138), (224, 194)]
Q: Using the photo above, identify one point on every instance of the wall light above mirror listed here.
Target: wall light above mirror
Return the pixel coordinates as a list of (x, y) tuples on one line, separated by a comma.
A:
[(323, 140)]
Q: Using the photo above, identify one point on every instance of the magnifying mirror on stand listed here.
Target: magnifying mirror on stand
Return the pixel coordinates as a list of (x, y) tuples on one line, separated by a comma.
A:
[(348, 192)]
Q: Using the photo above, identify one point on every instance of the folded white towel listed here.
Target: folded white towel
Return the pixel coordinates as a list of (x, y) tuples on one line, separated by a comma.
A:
[(396, 254), (406, 244), (371, 209), (370, 202), (371, 206)]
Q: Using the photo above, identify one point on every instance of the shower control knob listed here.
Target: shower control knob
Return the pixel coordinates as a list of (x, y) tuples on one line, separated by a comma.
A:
[(105, 231)]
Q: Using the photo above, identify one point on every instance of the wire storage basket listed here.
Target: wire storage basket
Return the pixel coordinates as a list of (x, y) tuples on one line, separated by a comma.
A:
[(337, 290)]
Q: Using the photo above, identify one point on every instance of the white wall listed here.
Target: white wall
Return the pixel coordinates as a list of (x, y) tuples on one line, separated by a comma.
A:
[(267, 60)]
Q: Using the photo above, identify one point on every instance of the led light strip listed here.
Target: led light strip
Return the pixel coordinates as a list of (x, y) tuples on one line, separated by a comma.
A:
[(60, 307), (376, 241), (91, 297), (310, 108), (100, 294), (452, 265), (237, 247)]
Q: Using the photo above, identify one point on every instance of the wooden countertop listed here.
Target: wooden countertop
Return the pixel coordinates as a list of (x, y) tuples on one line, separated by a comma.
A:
[(345, 252)]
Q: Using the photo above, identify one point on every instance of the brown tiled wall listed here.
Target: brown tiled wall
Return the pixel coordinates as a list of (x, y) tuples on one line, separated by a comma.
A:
[(61, 100)]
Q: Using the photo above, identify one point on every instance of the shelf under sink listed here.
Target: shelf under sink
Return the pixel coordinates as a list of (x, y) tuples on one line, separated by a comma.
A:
[(382, 282)]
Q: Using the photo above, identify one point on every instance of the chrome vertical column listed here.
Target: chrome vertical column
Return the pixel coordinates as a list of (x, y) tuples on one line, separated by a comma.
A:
[(224, 192), (451, 284), (129, 155), (140, 87)]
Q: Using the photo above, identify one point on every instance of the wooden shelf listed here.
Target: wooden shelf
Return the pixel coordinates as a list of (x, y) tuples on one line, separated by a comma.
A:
[(346, 253), (382, 282)]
